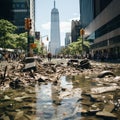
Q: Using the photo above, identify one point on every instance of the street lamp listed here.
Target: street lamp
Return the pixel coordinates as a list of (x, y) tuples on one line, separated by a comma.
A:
[(82, 32)]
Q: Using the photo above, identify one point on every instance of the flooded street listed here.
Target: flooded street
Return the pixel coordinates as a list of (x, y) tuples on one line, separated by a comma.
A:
[(67, 94)]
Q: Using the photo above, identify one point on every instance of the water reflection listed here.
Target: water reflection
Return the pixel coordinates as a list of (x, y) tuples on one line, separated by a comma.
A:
[(63, 100), (59, 101)]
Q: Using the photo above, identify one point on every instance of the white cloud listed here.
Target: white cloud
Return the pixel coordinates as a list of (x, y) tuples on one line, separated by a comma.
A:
[(65, 26), (76, 14), (75, 18), (46, 26)]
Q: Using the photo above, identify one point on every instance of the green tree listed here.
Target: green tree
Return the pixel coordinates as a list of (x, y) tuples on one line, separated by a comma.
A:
[(75, 48), (11, 40), (6, 28), (21, 41)]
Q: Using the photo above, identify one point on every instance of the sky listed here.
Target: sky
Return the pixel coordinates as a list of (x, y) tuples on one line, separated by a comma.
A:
[(68, 11)]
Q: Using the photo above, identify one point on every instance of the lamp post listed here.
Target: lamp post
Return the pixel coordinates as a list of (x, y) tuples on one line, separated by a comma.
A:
[(82, 32)]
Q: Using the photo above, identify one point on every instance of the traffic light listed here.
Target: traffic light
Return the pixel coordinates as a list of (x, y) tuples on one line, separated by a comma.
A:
[(28, 23), (82, 32)]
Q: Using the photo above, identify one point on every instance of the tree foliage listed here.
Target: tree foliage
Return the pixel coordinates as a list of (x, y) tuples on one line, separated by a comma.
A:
[(6, 27), (75, 48), (8, 38), (21, 41)]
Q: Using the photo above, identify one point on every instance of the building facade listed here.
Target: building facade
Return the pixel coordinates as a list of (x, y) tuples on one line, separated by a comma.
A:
[(75, 30), (54, 46), (16, 11), (67, 39), (5, 10), (32, 15), (86, 12), (104, 29)]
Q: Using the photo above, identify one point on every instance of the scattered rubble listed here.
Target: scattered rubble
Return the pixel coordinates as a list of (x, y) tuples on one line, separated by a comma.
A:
[(103, 100)]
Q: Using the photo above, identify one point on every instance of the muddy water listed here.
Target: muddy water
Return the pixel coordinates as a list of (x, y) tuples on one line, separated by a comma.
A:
[(46, 101), (60, 102), (52, 103)]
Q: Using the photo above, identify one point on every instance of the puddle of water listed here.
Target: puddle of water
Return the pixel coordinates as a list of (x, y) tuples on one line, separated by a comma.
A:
[(60, 102), (51, 104), (49, 101)]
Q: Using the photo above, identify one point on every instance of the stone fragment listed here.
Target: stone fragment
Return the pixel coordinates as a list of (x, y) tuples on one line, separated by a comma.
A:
[(105, 73), (18, 115), (106, 114), (109, 107)]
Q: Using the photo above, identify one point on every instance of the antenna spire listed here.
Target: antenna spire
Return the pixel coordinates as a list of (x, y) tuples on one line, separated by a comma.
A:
[(54, 3)]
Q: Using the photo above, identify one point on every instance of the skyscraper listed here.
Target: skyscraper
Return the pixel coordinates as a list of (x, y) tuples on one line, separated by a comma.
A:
[(103, 26), (55, 31), (16, 11), (86, 12)]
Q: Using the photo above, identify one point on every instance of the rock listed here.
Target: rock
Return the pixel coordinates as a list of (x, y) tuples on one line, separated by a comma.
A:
[(105, 73), (84, 64), (83, 111), (6, 97), (103, 89), (96, 98), (106, 114), (41, 80), (11, 114), (16, 84), (32, 74), (94, 110), (54, 69), (109, 107), (3, 117), (18, 115), (86, 102), (117, 78), (96, 107), (18, 99), (72, 62)]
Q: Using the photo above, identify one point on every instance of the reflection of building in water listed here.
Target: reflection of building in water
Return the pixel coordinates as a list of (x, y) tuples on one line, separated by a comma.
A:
[(56, 94), (55, 32), (56, 100)]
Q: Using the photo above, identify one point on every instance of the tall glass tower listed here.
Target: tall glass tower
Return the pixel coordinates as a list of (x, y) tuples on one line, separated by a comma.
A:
[(16, 11), (55, 31)]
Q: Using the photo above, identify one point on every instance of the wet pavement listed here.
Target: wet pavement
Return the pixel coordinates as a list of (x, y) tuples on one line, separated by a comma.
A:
[(62, 93)]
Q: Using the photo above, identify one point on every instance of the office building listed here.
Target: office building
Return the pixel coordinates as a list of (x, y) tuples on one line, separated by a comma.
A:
[(5, 10), (67, 39), (75, 30), (86, 12), (54, 46), (16, 11), (103, 27)]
